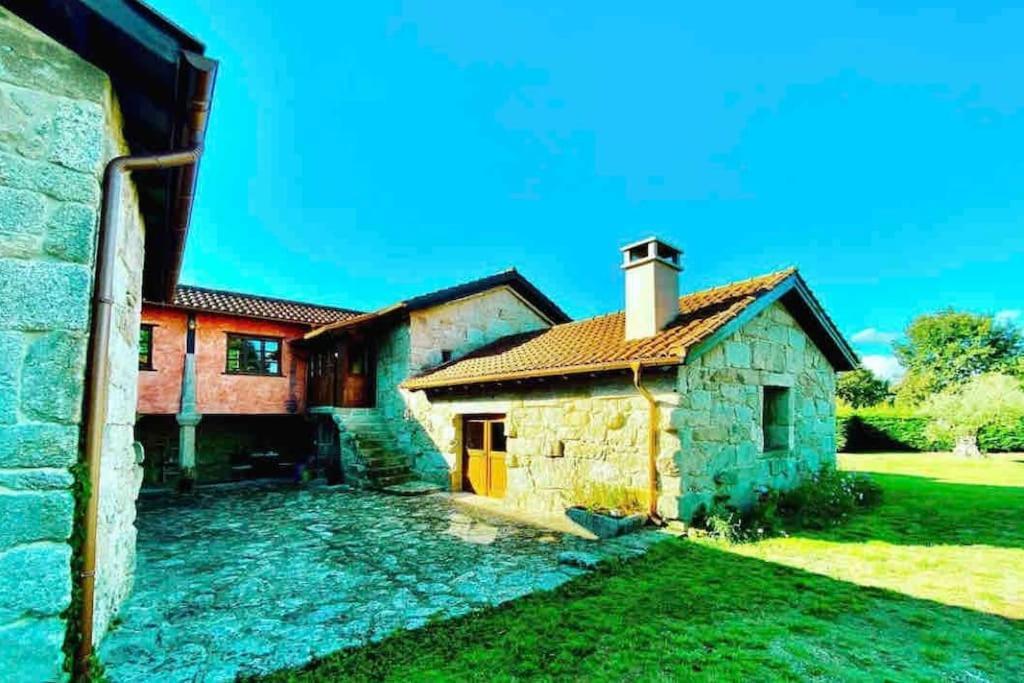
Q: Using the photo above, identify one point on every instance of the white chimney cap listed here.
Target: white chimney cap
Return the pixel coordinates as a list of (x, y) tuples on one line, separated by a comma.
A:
[(651, 249)]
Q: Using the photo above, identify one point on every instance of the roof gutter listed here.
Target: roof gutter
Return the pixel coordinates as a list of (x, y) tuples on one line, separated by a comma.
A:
[(97, 381), (198, 114), (415, 384)]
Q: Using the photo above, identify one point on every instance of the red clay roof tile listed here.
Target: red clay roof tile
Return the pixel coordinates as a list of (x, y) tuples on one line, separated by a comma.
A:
[(249, 305), (599, 343)]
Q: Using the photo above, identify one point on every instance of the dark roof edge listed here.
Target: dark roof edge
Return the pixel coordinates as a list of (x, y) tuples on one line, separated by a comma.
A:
[(190, 41), (511, 277), (199, 75), (845, 358), (798, 299)]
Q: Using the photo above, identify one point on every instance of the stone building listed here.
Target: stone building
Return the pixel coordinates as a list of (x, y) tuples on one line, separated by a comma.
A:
[(488, 387), (80, 84)]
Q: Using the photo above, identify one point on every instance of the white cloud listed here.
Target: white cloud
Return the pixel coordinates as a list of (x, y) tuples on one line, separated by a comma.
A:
[(883, 367), (873, 336), (1010, 315)]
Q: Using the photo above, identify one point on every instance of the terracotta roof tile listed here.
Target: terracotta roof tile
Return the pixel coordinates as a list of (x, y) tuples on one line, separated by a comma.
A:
[(235, 303), (599, 343)]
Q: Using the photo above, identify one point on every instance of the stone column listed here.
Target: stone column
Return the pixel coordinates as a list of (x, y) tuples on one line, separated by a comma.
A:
[(189, 416)]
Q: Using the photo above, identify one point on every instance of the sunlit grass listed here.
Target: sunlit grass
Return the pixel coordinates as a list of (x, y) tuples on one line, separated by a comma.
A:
[(918, 589), (950, 530)]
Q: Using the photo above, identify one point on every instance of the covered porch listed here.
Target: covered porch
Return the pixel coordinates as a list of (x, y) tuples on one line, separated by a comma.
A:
[(340, 370)]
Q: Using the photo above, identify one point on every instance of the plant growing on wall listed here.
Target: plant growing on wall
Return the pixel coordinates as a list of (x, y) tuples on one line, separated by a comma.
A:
[(990, 400)]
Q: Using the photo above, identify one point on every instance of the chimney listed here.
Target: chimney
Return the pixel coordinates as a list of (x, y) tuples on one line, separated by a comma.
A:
[(652, 286)]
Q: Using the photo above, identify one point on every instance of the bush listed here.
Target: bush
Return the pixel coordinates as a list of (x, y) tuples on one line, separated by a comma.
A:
[(865, 433), (827, 498), (986, 401), (895, 429), (821, 501)]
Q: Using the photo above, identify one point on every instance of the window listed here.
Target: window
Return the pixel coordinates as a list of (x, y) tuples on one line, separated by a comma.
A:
[(357, 359), (446, 355), (498, 437), (475, 435), (777, 418), (146, 347), (253, 355)]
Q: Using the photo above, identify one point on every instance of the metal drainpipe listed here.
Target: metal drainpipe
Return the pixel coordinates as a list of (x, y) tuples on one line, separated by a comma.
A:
[(97, 382), (652, 444)]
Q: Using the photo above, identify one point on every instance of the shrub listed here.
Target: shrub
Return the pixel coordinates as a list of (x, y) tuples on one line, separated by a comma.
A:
[(990, 400), (867, 432), (827, 498), (888, 428), (821, 501)]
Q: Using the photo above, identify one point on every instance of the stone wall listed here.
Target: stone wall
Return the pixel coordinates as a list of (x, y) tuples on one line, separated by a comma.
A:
[(719, 420), (58, 126), (561, 435), (407, 349), (567, 432), (467, 324)]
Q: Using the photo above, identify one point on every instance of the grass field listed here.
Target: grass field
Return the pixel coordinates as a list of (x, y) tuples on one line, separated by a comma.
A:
[(928, 586)]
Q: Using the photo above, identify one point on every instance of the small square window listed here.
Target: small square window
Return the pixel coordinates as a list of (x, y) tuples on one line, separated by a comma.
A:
[(446, 355), (777, 419)]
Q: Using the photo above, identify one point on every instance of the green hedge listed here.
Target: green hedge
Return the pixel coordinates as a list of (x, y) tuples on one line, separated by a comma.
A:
[(890, 431)]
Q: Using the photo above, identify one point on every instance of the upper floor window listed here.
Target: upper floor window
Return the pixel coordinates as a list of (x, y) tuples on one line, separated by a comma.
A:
[(248, 355), (146, 347)]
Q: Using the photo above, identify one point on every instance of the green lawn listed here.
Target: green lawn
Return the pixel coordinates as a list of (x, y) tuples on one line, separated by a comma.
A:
[(928, 586)]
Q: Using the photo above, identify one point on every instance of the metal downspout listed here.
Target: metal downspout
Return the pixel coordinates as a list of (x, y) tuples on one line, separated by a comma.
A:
[(98, 380), (653, 418)]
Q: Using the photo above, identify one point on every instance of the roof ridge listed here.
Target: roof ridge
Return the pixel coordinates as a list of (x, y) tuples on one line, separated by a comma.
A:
[(787, 271), (247, 295)]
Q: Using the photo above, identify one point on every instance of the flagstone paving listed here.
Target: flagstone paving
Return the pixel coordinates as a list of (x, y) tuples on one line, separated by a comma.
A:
[(247, 581)]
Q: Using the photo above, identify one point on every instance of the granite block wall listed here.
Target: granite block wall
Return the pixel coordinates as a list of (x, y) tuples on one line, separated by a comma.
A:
[(711, 439), (58, 126)]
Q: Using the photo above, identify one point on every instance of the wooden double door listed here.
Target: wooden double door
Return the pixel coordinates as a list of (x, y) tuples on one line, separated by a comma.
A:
[(484, 469), (341, 374)]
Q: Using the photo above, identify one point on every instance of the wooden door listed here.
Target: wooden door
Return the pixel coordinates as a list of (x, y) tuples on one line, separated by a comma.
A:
[(484, 470), (357, 391), (324, 383)]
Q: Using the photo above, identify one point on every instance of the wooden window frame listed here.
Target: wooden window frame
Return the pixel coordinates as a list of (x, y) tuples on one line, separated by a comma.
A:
[(254, 337), (148, 364)]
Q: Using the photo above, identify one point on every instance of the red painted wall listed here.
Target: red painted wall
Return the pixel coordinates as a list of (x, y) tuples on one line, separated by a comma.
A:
[(217, 392)]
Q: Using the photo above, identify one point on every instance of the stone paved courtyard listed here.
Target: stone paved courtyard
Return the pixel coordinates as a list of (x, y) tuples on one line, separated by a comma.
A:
[(246, 581)]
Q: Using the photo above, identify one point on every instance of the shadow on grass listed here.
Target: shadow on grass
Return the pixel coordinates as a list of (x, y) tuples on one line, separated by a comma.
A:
[(924, 511), (687, 610)]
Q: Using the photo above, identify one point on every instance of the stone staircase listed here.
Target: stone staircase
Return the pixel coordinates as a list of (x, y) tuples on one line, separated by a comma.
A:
[(369, 457)]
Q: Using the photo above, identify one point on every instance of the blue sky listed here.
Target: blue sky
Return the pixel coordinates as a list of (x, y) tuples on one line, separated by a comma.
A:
[(363, 152)]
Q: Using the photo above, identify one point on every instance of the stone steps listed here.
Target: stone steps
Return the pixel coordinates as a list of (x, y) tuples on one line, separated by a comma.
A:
[(381, 465)]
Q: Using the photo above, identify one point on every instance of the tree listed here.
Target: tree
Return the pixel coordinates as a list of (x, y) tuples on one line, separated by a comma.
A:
[(946, 349), (861, 389), (988, 400)]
